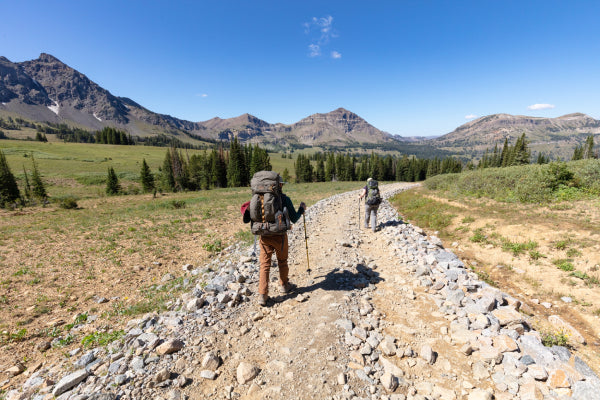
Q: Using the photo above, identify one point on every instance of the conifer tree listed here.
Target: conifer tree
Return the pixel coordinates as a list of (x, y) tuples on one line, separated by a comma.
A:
[(167, 180), (27, 185), (235, 167), (304, 170), (330, 168), (505, 155), (320, 173), (9, 191), (285, 175), (521, 152), (260, 161), (146, 178), (112, 183), (589, 148), (38, 188)]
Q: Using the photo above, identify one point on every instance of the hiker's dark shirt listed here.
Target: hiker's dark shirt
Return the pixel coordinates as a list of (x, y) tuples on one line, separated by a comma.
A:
[(294, 215)]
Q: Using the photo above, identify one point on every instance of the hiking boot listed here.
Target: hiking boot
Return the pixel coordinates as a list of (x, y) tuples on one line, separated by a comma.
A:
[(262, 300), (287, 288)]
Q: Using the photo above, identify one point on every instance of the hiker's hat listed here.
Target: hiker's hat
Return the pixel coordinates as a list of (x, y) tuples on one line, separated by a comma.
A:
[(280, 180), (369, 180), (245, 212)]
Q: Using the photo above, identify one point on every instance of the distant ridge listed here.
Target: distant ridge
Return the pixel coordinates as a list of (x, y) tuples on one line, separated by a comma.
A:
[(556, 137), (47, 90)]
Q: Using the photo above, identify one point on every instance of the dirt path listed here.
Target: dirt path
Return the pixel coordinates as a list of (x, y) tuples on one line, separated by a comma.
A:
[(386, 315), (301, 351)]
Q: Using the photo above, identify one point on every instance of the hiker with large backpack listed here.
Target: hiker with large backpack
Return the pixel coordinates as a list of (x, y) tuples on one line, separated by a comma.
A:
[(270, 213), (372, 201)]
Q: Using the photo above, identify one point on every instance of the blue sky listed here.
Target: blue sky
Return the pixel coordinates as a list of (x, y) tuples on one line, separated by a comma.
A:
[(407, 67)]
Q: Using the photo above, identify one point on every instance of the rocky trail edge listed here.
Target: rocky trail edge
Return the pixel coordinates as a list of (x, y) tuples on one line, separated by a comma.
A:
[(388, 315)]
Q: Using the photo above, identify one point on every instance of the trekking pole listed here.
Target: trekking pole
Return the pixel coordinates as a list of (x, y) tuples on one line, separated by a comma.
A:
[(306, 243), (359, 213)]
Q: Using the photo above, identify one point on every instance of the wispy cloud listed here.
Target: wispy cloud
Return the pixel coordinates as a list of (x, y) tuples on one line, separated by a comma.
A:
[(320, 31), (470, 116), (540, 106), (203, 95), (314, 50)]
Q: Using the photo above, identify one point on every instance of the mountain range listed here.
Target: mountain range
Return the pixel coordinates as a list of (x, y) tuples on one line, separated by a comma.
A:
[(47, 90)]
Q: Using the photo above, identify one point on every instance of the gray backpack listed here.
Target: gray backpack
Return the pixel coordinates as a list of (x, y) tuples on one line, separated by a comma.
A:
[(373, 195), (267, 212)]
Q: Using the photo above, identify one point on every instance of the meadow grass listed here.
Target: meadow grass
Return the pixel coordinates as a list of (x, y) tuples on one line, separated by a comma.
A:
[(80, 169), (547, 183)]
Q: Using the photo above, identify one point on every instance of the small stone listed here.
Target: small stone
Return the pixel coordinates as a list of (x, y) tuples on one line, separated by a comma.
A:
[(558, 379), (389, 382), (341, 378), (507, 316), (180, 381), (194, 304), (530, 391), (208, 374), (69, 381), (211, 361), (538, 372), (490, 354), (44, 345), (16, 369), (170, 346), (466, 349), (480, 394), (246, 372), (301, 298), (387, 347), (505, 343), (120, 379), (257, 316), (567, 299), (428, 354), (162, 375)]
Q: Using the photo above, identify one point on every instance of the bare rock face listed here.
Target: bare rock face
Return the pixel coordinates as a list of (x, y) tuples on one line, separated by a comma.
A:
[(69, 87), (15, 83)]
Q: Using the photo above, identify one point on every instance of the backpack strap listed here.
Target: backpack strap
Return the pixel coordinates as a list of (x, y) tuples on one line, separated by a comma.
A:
[(262, 206)]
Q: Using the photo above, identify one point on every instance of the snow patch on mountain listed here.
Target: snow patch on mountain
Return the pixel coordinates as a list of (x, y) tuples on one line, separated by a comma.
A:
[(55, 107)]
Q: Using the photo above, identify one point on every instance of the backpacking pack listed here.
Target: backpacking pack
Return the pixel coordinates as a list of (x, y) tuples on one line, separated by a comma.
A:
[(373, 196), (267, 212)]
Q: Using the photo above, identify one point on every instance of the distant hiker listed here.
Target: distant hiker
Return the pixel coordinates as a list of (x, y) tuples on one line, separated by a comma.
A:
[(270, 212), (373, 199)]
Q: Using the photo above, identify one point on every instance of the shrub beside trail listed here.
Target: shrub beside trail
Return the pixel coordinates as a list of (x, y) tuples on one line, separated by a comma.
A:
[(546, 183)]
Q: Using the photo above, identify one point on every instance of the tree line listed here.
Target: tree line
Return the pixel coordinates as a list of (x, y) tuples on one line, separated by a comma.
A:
[(346, 167), (520, 154), (217, 168)]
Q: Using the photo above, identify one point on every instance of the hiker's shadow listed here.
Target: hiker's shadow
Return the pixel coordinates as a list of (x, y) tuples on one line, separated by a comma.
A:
[(349, 279), (394, 222)]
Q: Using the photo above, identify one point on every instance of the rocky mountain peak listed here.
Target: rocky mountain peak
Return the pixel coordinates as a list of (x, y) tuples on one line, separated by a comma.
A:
[(48, 58)]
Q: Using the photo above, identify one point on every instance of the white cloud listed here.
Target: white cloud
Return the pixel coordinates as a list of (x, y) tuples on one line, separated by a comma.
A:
[(321, 32), (540, 106), (314, 50), (336, 55), (202, 95), (470, 116)]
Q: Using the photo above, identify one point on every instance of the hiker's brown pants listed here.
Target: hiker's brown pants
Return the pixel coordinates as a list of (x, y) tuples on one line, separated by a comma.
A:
[(268, 245)]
